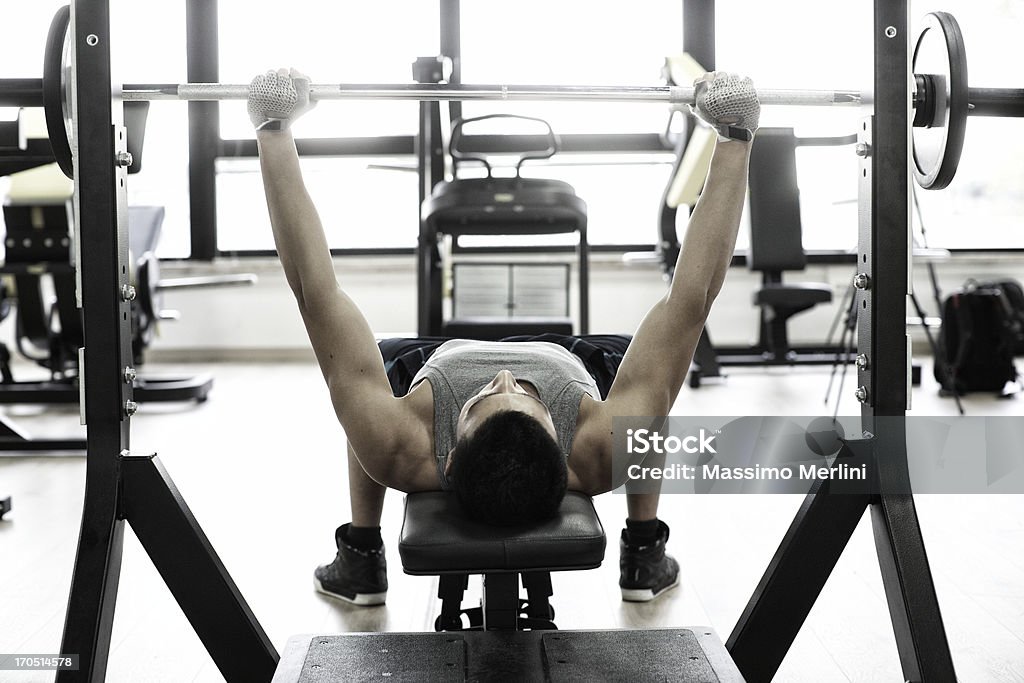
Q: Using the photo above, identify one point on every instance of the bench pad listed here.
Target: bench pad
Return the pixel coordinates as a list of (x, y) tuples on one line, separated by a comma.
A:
[(438, 539)]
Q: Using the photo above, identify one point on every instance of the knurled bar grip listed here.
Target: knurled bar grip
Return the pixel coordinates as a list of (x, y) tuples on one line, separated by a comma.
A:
[(440, 92)]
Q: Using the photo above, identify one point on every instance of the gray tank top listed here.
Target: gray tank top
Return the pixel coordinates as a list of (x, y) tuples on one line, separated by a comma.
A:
[(460, 368)]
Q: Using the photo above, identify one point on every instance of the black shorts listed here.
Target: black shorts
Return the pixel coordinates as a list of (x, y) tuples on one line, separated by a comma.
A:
[(601, 355)]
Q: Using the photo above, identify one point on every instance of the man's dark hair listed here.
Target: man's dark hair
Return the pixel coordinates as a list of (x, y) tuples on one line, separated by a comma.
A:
[(509, 471)]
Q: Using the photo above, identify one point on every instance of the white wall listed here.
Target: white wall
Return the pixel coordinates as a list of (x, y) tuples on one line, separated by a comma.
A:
[(261, 321)]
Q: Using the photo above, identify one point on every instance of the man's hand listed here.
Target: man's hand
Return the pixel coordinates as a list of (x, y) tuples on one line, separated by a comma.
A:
[(728, 104), (278, 98)]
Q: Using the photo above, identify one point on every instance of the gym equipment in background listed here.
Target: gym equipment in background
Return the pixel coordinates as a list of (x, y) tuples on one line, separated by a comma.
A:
[(40, 289), (501, 206), (49, 325), (776, 247)]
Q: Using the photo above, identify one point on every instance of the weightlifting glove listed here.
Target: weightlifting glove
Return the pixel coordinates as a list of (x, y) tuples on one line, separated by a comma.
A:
[(277, 98), (728, 104)]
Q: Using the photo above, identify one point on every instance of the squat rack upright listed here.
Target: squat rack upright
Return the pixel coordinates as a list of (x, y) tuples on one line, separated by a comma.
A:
[(122, 486)]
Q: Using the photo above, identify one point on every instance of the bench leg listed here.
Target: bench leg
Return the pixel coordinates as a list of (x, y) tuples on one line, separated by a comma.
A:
[(450, 589), (501, 602), (538, 610)]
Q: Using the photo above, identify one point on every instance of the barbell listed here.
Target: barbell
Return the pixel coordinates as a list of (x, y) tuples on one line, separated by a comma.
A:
[(940, 96)]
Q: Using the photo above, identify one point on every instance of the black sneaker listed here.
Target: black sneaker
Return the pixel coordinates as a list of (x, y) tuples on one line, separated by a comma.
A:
[(645, 571), (356, 576)]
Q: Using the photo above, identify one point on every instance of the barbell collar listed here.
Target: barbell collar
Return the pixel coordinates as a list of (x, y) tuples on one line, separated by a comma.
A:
[(675, 95)]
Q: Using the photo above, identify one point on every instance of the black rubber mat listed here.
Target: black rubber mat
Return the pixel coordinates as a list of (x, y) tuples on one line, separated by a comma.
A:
[(670, 655), (390, 657), (693, 655)]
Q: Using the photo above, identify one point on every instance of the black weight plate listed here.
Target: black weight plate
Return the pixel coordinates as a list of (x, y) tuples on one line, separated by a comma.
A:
[(53, 90), (939, 56)]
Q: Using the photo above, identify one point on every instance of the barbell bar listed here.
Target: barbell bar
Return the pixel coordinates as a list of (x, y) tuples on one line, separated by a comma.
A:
[(27, 92), (940, 97), (673, 95), (983, 101)]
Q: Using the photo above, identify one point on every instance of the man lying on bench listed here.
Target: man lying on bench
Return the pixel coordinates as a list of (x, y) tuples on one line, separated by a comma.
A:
[(507, 426)]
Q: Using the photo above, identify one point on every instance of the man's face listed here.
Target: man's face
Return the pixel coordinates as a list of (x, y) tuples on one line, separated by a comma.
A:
[(503, 393)]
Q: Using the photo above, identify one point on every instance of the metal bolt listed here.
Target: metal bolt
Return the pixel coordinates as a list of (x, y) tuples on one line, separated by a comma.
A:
[(129, 375), (127, 293), (862, 149), (92, 40), (890, 31), (862, 361), (861, 281), (861, 393), (124, 159), (130, 407)]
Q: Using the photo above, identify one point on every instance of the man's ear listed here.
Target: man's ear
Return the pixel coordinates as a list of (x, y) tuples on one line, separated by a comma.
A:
[(448, 463)]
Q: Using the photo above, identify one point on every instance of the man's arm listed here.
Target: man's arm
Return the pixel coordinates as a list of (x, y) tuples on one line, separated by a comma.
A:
[(659, 356), (377, 424), (655, 365)]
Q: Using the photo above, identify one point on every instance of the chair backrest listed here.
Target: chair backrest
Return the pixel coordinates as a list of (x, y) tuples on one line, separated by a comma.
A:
[(37, 233), (776, 234), (532, 151)]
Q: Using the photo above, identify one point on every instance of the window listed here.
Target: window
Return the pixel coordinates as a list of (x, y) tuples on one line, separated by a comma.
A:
[(581, 42), (140, 54), (623, 198), (791, 45), (572, 42), (334, 42), (23, 37), (161, 58), (984, 206), (364, 203)]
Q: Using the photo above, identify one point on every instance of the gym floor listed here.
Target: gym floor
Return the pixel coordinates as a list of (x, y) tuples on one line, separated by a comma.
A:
[(261, 466)]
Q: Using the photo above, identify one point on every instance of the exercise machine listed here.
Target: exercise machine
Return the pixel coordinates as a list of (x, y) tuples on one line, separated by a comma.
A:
[(40, 258), (493, 206), (504, 206), (776, 247)]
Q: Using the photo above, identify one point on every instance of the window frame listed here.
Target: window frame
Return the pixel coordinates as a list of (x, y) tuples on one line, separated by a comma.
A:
[(206, 145)]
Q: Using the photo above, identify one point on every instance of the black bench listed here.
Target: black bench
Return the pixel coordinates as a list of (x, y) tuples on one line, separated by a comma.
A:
[(507, 639), (437, 540)]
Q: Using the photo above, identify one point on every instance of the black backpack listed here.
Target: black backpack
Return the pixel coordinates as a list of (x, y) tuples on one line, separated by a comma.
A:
[(979, 333)]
